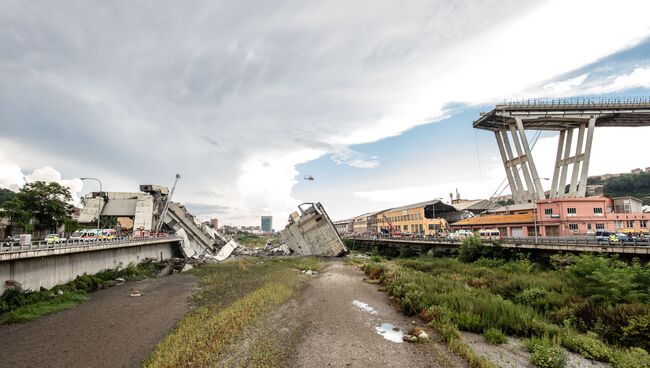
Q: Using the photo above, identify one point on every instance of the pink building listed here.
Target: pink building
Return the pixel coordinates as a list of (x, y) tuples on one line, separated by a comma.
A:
[(580, 216)]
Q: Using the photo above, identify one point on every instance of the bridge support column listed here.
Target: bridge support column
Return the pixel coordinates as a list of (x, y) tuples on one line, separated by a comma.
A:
[(520, 168), (579, 161)]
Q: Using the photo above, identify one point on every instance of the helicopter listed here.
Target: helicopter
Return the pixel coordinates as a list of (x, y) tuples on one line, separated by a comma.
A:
[(308, 177)]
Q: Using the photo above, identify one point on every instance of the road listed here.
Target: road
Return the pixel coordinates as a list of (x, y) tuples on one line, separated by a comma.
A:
[(111, 329)]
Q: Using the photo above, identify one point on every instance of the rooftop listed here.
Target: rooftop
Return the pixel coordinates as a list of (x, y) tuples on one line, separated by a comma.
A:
[(490, 220)]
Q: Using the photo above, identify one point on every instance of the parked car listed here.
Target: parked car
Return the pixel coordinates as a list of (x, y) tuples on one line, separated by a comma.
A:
[(461, 234), (604, 237)]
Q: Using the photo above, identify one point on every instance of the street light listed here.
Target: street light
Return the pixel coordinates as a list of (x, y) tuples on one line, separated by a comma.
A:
[(99, 207)]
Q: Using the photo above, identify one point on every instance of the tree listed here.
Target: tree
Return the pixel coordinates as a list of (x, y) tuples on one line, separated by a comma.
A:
[(46, 203), (5, 195)]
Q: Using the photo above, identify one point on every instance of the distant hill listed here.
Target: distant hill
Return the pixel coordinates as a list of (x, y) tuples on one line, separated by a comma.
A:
[(5, 195), (634, 185)]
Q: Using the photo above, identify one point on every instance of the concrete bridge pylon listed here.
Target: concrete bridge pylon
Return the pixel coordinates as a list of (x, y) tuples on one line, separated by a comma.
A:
[(510, 121)]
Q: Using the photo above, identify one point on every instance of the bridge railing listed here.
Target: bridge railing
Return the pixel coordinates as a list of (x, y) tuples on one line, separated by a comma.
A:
[(516, 240), (68, 243)]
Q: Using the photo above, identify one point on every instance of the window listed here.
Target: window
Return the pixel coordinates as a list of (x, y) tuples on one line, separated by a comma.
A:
[(598, 210), (431, 227), (571, 211), (548, 211), (600, 226), (619, 224), (573, 227), (588, 226), (643, 223), (630, 224)]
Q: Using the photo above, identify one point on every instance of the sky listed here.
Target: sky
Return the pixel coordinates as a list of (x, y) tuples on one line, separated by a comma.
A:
[(374, 99)]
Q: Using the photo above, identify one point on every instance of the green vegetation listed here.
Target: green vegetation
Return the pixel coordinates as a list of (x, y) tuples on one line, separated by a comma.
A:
[(594, 306), (254, 240), (5, 195), (495, 336), (235, 296), (635, 185), (46, 203), (19, 305)]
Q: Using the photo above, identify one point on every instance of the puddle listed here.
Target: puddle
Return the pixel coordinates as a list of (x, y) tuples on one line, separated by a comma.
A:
[(365, 307), (387, 330)]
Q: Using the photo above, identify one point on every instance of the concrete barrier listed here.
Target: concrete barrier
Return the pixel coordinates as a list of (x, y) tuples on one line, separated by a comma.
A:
[(50, 267)]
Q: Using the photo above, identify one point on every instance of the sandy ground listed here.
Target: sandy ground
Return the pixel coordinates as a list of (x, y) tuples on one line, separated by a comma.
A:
[(339, 333), (513, 354), (109, 330)]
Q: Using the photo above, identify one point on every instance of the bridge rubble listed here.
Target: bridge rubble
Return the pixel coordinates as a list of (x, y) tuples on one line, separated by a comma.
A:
[(146, 209), (312, 233)]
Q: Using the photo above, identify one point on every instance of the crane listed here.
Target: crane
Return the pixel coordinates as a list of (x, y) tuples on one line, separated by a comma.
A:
[(392, 231), (166, 208)]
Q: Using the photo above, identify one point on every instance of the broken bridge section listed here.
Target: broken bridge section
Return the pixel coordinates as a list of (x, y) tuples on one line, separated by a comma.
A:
[(312, 233)]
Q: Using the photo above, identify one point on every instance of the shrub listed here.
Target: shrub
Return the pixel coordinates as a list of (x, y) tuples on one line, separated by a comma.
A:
[(637, 332), (545, 356), (631, 358), (495, 336), (470, 250), (589, 346)]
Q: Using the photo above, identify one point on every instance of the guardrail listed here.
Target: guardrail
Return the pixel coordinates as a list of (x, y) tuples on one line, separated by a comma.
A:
[(6, 247), (518, 240)]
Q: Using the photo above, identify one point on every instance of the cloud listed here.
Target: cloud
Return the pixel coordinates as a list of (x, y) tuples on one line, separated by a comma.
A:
[(215, 89), (564, 86), (12, 177), (201, 209), (346, 156)]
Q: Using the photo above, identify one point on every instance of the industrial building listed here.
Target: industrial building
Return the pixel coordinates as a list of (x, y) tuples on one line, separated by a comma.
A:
[(564, 217)]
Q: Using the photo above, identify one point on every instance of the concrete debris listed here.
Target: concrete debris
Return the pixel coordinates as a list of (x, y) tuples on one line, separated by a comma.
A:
[(310, 272), (409, 338), (187, 267), (135, 293), (226, 250), (312, 233)]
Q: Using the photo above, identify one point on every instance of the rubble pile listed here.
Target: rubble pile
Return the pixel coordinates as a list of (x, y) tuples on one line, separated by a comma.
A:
[(312, 233)]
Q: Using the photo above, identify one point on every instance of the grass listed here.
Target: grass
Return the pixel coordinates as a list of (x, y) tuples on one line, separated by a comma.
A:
[(594, 306), (18, 305), (255, 241), (33, 311), (234, 297)]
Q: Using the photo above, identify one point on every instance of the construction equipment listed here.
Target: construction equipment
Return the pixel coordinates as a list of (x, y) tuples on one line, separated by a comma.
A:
[(166, 208), (394, 233)]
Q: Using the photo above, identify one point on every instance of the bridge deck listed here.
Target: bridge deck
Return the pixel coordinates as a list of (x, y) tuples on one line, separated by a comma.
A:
[(41, 249), (566, 244)]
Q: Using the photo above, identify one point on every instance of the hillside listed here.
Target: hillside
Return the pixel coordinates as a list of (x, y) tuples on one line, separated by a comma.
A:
[(635, 185)]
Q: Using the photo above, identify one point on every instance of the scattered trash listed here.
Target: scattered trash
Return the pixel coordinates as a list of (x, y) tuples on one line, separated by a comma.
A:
[(120, 280), (59, 292)]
